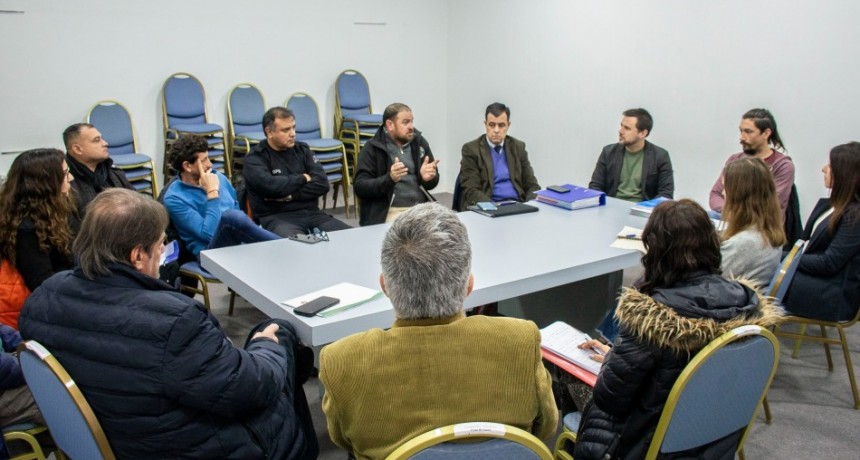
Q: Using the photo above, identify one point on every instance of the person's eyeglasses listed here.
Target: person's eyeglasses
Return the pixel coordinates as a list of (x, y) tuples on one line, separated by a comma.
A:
[(66, 172)]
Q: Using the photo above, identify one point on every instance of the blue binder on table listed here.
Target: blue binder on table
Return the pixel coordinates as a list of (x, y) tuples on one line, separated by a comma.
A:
[(575, 198)]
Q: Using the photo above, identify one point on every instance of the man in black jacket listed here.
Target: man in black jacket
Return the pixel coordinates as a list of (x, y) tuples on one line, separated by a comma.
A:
[(90, 164), (634, 169), (285, 180), (161, 376), (395, 168)]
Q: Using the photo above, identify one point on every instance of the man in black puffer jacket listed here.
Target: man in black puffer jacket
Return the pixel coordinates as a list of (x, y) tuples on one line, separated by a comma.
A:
[(161, 376)]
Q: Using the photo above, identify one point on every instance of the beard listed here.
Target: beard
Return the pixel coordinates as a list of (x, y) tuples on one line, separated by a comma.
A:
[(404, 139), (748, 149)]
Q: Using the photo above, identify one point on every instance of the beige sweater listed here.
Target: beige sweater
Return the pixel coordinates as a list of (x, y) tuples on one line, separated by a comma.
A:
[(383, 388)]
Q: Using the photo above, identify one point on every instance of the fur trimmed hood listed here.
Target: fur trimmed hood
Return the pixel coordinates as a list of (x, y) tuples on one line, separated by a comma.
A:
[(686, 318)]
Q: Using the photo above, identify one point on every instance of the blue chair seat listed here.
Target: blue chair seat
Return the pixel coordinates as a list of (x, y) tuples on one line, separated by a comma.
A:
[(365, 118), (216, 153), (194, 267), (253, 135), (334, 177), (325, 157), (198, 128), (325, 143), (571, 421), (130, 159), (137, 173), (141, 185), (331, 167)]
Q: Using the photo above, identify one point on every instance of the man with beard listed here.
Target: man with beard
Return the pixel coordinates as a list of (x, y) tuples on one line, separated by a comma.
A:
[(395, 168), (202, 204), (634, 169), (757, 134)]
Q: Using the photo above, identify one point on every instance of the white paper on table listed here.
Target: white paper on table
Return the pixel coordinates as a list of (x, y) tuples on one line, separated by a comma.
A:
[(349, 294)]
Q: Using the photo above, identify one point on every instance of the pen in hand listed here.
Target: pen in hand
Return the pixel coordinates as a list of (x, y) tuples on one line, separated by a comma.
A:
[(630, 236)]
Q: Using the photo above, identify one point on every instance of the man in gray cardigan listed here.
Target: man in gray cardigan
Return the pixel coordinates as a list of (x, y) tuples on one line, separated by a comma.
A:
[(495, 166), (634, 169)]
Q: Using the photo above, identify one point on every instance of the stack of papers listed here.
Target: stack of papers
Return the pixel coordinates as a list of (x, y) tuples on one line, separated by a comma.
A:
[(576, 197), (349, 295), (563, 340), (645, 208)]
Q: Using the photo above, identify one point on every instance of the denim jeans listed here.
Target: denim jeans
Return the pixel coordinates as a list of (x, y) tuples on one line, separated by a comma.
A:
[(236, 228)]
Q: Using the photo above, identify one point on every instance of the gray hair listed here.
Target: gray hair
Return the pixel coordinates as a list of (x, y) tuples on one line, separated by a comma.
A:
[(426, 262)]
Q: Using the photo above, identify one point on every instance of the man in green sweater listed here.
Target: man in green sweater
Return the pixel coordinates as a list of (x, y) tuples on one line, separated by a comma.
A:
[(434, 367)]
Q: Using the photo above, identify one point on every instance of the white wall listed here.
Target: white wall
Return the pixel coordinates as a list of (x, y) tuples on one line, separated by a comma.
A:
[(568, 68), (60, 57)]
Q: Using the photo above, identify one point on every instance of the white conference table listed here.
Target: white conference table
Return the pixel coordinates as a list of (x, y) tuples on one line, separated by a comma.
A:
[(511, 256)]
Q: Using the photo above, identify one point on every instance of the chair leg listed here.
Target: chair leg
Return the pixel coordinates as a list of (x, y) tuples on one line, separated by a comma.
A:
[(797, 342), (766, 407), (827, 349), (741, 454), (205, 288), (850, 366), (232, 302)]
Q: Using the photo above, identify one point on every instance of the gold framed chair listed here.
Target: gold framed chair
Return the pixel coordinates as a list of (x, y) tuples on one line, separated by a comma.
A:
[(183, 111), (825, 340), (717, 394), (70, 418), (115, 123), (495, 439), (25, 433), (245, 108), (354, 120), (203, 277), (330, 152)]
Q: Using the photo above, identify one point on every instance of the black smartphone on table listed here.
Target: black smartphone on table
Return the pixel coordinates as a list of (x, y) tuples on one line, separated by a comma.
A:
[(315, 306)]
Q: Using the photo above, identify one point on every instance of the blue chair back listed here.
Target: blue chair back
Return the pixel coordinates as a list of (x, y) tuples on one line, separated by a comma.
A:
[(71, 421), (719, 392), (781, 280), (496, 449), (184, 100), (494, 440), (246, 107), (307, 116), (114, 122), (353, 93)]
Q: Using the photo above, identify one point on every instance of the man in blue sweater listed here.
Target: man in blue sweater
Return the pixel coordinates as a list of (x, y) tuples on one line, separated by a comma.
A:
[(202, 204)]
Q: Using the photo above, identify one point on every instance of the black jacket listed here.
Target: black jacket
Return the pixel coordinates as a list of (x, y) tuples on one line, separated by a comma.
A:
[(659, 336), (657, 176), (827, 282), (88, 184), (373, 184), (276, 183), (161, 376)]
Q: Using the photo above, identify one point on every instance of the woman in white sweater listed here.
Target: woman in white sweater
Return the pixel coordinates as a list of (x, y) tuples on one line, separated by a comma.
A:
[(752, 241)]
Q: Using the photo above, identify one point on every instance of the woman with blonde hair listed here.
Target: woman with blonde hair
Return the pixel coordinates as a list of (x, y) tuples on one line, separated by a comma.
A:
[(37, 217), (751, 244)]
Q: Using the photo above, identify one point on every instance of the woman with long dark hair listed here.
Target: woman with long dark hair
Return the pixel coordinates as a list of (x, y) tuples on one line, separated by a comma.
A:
[(680, 305), (827, 283), (35, 228), (752, 241)]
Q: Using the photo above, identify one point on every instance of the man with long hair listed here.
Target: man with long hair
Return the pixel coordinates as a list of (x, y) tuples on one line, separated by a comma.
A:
[(759, 138)]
